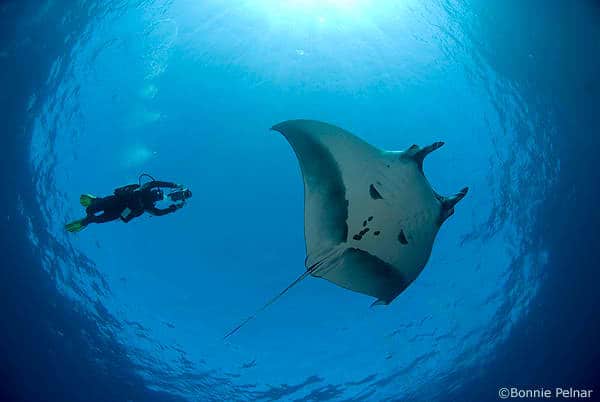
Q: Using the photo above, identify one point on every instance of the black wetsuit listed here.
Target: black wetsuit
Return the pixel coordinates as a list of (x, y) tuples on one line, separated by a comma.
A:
[(133, 197)]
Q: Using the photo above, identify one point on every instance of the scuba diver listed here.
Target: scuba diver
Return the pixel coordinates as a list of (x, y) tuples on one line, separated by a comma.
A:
[(129, 202)]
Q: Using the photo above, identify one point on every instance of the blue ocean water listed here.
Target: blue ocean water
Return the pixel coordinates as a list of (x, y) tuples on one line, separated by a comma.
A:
[(93, 93)]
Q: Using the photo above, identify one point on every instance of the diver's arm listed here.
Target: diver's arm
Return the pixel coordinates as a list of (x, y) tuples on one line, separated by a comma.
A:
[(157, 183), (160, 212)]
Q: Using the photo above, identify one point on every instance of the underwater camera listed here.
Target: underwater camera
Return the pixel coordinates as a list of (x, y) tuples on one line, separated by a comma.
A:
[(180, 195)]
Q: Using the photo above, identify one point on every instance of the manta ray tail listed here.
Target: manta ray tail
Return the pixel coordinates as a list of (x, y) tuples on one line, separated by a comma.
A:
[(267, 304)]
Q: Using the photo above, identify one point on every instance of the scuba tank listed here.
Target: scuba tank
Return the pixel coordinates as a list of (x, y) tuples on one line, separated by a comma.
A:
[(126, 189)]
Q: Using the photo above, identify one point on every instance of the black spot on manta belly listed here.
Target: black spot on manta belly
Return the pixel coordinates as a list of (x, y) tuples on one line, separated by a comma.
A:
[(402, 237), (374, 193), (376, 233), (360, 234)]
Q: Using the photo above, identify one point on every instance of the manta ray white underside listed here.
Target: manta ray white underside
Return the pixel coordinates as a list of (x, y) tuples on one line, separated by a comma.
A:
[(371, 216)]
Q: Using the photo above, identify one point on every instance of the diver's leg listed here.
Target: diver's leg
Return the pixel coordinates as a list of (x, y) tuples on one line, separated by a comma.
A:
[(105, 216), (109, 209), (96, 206), (102, 204)]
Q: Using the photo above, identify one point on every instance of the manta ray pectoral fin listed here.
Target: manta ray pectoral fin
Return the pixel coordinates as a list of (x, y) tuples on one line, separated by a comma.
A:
[(379, 302), (448, 204)]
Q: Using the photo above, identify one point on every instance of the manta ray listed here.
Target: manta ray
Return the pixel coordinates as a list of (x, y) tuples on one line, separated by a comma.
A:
[(370, 215)]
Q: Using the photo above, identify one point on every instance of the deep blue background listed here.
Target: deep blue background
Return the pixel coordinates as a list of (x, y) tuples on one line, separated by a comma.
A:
[(553, 343)]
